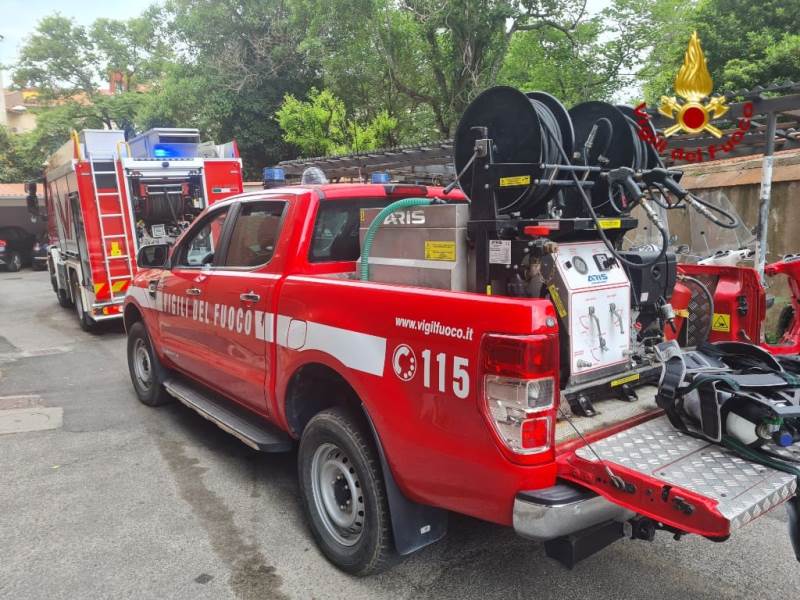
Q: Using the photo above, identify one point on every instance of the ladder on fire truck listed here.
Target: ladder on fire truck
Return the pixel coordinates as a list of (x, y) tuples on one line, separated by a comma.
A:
[(117, 212)]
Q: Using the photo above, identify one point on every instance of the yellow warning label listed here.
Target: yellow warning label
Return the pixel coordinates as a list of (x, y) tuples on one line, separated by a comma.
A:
[(562, 312), (115, 249), (362, 214), (682, 312), (515, 181), (721, 322), (610, 223), (624, 380), (440, 250)]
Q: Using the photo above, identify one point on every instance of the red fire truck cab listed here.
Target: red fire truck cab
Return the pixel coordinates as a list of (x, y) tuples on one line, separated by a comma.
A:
[(106, 198)]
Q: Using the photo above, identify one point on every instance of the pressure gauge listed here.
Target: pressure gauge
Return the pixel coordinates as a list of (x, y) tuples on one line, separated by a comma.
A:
[(580, 265)]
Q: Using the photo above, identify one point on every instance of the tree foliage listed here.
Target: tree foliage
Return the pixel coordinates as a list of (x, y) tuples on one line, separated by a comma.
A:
[(284, 77), (320, 126), (746, 44)]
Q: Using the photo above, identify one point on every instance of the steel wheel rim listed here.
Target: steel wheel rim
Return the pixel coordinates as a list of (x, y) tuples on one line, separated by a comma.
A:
[(337, 493), (142, 367)]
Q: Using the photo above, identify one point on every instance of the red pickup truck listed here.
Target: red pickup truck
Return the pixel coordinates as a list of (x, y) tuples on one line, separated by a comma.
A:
[(406, 402)]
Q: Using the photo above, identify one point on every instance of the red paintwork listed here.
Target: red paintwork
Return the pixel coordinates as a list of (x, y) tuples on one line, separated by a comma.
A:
[(441, 448), (743, 282), (790, 343), (739, 294)]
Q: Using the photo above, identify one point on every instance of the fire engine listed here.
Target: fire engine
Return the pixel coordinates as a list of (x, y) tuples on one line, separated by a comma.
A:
[(501, 357), (105, 198)]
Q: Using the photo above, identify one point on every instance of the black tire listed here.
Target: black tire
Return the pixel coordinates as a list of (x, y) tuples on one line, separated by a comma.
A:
[(53, 278), (14, 262), (336, 445), (147, 373), (64, 299), (86, 323)]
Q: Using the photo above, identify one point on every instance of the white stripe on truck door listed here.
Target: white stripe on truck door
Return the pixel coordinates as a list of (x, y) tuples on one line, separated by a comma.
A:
[(354, 349)]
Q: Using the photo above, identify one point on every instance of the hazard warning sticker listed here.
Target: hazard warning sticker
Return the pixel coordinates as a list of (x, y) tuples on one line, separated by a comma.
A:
[(721, 322)]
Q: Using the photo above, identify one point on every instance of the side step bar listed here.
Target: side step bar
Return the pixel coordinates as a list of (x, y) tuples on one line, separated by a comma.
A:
[(255, 432)]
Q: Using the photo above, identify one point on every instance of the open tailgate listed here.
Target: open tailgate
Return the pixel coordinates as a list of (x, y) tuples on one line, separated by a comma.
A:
[(690, 484)]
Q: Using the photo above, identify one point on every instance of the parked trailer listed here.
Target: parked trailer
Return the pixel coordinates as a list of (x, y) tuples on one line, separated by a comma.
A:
[(106, 198)]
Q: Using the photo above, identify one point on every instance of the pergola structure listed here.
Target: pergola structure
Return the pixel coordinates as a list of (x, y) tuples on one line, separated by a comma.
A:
[(774, 125)]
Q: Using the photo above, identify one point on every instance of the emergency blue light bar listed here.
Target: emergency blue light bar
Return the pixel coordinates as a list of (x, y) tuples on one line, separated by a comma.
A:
[(166, 142), (380, 177)]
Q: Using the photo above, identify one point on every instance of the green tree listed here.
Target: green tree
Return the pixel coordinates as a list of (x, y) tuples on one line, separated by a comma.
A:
[(62, 58), (238, 61), (320, 126), (432, 56), (745, 44)]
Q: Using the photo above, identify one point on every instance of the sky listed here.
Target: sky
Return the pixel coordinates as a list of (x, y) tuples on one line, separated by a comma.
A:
[(19, 18)]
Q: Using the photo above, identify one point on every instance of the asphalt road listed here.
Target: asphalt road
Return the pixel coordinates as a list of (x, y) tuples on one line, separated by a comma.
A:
[(125, 501)]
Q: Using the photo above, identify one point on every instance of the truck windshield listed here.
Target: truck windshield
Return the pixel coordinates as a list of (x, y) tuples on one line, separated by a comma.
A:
[(336, 236)]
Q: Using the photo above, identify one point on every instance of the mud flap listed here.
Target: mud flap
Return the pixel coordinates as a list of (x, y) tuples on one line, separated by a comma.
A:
[(414, 525), (689, 484)]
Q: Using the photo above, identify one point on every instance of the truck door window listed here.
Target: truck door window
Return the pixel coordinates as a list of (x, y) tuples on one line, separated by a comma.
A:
[(255, 234), (336, 236), (199, 248)]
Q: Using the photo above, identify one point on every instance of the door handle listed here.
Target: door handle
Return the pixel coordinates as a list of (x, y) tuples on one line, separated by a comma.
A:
[(152, 286), (249, 297), (193, 291)]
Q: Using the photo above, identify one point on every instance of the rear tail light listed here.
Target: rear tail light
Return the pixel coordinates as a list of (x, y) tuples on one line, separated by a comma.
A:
[(515, 406), (2, 244), (520, 387)]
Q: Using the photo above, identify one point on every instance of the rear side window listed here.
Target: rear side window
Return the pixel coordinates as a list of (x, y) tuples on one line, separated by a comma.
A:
[(255, 234), (336, 236)]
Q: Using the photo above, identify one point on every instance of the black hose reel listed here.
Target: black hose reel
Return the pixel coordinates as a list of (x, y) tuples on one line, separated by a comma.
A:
[(524, 128), (536, 128)]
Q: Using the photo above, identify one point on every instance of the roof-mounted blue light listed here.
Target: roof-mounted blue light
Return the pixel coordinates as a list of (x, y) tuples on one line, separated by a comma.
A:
[(165, 151), (380, 177)]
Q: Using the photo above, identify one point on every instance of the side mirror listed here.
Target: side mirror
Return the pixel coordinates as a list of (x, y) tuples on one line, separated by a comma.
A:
[(153, 257)]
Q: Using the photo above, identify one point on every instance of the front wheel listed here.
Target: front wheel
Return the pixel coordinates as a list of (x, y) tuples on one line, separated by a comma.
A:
[(343, 493), (146, 371)]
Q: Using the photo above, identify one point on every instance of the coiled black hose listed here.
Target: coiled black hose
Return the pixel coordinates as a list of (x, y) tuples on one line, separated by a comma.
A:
[(550, 134)]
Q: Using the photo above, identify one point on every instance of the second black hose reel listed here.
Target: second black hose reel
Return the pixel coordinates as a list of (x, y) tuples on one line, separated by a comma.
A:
[(535, 128)]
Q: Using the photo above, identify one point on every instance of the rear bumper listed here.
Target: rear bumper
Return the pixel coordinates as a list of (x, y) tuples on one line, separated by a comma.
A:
[(106, 311), (560, 510)]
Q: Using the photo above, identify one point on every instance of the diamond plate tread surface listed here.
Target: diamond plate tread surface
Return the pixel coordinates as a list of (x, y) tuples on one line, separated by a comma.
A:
[(744, 490)]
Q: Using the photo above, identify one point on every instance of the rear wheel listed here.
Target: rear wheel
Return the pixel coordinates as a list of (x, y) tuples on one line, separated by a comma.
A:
[(53, 278), (147, 374), (343, 493), (87, 323), (14, 263)]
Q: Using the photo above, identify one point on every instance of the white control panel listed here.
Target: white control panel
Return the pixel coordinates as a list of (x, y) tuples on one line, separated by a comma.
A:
[(598, 306)]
